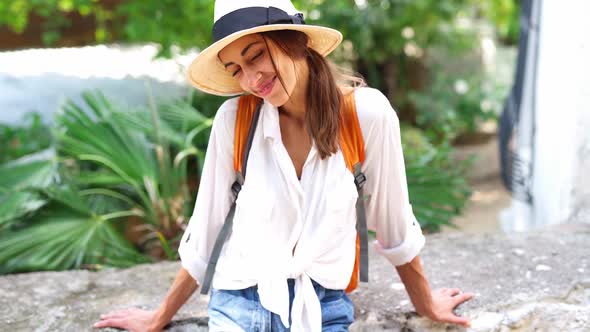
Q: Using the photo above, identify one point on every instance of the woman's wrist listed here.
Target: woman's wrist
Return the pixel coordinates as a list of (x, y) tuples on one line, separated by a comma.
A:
[(160, 319), (423, 303), (417, 287), (426, 311)]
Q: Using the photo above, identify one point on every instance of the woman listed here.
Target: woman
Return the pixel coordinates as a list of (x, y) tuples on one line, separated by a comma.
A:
[(291, 250)]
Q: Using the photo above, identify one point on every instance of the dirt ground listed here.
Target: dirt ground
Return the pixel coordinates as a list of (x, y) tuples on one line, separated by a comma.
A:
[(482, 212)]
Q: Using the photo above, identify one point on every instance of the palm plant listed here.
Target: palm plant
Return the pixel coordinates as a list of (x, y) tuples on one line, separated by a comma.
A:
[(19, 180), (46, 227), (437, 192), (114, 172), (137, 155), (436, 183)]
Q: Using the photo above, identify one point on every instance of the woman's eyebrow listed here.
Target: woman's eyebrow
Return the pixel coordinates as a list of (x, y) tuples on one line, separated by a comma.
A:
[(242, 53), (248, 47)]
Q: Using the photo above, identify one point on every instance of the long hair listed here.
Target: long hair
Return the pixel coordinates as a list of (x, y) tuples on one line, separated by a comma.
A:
[(324, 97)]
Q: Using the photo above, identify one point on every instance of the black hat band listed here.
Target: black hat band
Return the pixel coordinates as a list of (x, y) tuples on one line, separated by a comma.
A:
[(251, 17)]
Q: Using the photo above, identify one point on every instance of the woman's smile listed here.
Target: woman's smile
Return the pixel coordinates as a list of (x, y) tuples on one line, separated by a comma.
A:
[(266, 88)]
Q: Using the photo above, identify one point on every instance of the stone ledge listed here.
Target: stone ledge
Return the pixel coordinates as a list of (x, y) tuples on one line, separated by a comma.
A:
[(523, 282)]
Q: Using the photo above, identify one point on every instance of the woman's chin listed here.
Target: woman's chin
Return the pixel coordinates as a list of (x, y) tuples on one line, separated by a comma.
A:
[(276, 101)]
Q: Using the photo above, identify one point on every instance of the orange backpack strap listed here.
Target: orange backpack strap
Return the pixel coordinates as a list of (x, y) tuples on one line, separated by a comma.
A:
[(350, 135), (246, 122), (247, 107), (353, 150)]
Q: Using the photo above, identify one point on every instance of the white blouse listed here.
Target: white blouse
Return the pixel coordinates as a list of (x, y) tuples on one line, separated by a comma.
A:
[(302, 229)]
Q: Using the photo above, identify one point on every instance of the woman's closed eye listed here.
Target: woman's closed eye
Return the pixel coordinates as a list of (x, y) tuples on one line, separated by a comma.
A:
[(254, 58), (257, 56)]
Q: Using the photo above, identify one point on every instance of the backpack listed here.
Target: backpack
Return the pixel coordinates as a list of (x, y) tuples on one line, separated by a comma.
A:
[(353, 148)]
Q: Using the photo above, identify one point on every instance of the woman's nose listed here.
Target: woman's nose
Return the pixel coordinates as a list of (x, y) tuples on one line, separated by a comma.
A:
[(253, 77)]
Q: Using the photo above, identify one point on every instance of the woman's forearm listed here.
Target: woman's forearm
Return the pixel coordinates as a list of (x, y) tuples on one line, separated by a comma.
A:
[(412, 275), (181, 290)]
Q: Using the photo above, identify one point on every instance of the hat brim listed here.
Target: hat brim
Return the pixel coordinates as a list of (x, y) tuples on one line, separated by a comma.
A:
[(208, 74)]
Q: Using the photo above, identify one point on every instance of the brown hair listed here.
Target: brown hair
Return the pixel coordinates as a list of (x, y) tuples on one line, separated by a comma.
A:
[(324, 96)]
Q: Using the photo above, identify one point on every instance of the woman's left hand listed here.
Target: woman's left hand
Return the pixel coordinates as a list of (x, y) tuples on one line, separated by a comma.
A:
[(444, 300)]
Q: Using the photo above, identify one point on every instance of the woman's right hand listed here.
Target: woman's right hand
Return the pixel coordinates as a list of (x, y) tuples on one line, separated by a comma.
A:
[(133, 320), (138, 320)]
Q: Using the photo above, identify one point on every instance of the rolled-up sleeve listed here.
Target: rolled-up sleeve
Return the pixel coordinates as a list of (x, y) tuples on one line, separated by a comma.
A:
[(389, 213), (214, 196)]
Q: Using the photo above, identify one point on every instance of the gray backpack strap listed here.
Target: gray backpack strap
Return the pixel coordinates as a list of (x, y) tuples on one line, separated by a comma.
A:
[(223, 234), (361, 224), (229, 219)]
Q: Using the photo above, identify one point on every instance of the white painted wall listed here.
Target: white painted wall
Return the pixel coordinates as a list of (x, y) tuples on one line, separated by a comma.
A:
[(561, 154), (42, 79)]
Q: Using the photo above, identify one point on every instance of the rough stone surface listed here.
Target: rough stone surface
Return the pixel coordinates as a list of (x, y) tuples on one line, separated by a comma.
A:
[(538, 281)]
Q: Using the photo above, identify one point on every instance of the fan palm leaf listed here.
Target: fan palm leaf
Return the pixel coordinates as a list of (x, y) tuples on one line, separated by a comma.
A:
[(65, 239)]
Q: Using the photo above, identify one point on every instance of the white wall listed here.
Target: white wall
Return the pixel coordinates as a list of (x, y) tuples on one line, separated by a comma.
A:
[(41, 79), (561, 145)]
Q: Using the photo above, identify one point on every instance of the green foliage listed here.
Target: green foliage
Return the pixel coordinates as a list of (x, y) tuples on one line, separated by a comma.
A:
[(436, 183), (505, 16), (37, 172), (131, 153), (48, 227), (379, 29), (388, 36), (375, 27), (416, 145), (393, 44), (16, 13), (184, 23), (62, 238), (20, 181), (31, 136), (205, 103), (453, 106), (17, 205), (116, 172)]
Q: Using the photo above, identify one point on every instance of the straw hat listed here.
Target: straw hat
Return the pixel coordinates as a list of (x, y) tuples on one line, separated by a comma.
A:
[(234, 19)]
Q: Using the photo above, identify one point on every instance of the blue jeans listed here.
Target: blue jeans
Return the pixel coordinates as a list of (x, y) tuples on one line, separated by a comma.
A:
[(240, 310)]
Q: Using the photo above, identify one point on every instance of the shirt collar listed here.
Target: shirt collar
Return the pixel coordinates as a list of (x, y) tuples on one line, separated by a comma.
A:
[(270, 122)]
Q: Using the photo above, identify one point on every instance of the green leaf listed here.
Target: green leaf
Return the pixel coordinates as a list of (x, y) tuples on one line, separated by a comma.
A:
[(17, 205), (68, 197), (28, 172), (61, 240)]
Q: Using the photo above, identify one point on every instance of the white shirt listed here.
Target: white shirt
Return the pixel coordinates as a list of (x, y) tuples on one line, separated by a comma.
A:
[(277, 212)]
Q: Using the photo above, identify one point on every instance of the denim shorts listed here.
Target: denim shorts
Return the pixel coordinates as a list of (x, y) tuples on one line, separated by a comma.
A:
[(240, 310)]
